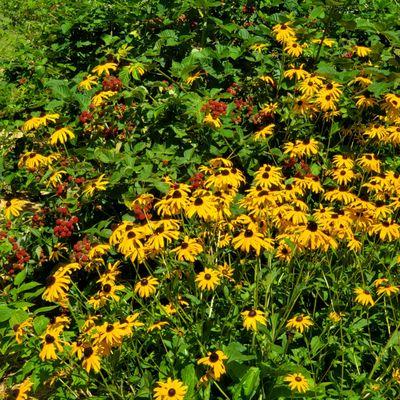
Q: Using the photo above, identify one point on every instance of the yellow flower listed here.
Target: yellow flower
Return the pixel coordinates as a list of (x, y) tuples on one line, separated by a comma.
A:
[(208, 279), (157, 326), (136, 70), (92, 186), (100, 69), (13, 207), (191, 78), (91, 359), (294, 49), (188, 250), (300, 323), (171, 389), (20, 392), (146, 287), (57, 287), (51, 344), (253, 317), (325, 41), (336, 316), (37, 122), (61, 135), (88, 82), (264, 132), (215, 360), (362, 51), (364, 297), (258, 47), (101, 97), (210, 120), (297, 382), (284, 33), (21, 329)]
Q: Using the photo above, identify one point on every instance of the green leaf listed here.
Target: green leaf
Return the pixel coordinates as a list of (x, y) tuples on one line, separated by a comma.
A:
[(20, 277)]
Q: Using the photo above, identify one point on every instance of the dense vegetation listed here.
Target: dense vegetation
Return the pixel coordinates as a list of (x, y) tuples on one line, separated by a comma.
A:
[(199, 199)]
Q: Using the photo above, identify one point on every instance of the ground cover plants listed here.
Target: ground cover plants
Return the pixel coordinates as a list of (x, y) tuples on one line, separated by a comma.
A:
[(200, 200)]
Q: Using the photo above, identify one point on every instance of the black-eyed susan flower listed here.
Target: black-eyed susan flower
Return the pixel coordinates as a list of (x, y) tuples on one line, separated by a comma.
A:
[(104, 68), (212, 121), (50, 345), (94, 185), (57, 287), (37, 122), (88, 82), (383, 287), (251, 318), (294, 49), (208, 279), (300, 323), (20, 330), (387, 230), (336, 316), (362, 51), (20, 392), (370, 162), (226, 271), (284, 33), (203, 206), (297, 382), (215, 360), (265, 132), (297, 72), (91, 359), (251, 239), (171, 389), (13, 207), (101, 97), (364, 297), (61, 135), (157, 326), (146, 287), (32, 161), (188, 250)]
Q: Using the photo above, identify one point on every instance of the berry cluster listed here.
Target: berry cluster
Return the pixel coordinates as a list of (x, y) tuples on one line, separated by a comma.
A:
[(18, 258), (85, 117), (196, 181), (65, 228), (112, 83), (215, 108), (81, 249), (142, 212)]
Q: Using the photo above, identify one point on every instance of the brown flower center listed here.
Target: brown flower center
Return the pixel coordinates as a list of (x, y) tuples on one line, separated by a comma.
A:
[(49, 339), (312, 226), (107, 288), (88, 352), (207, 277), (144, 282), (198, 202), (171, 392), (213, 357), (299, 318), (248, 233), (252, 313)]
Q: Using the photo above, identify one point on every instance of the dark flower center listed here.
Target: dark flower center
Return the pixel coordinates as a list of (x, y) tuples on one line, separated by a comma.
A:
[(298, 379), (312, 226), (248, 233), (144, 282), (213, 357), (110, 328), (131, 235), (49, 339), (159, 230), (171, 392), (252, 313), (184, 245), (107, 288), (329, 86), (177, 194), (328, 97), (8, 204), (198, 201), (207, 277), (225, 172), (299, 318), (265, 175), (88, 352), (51, 280), (385, 224), (368, 157)]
